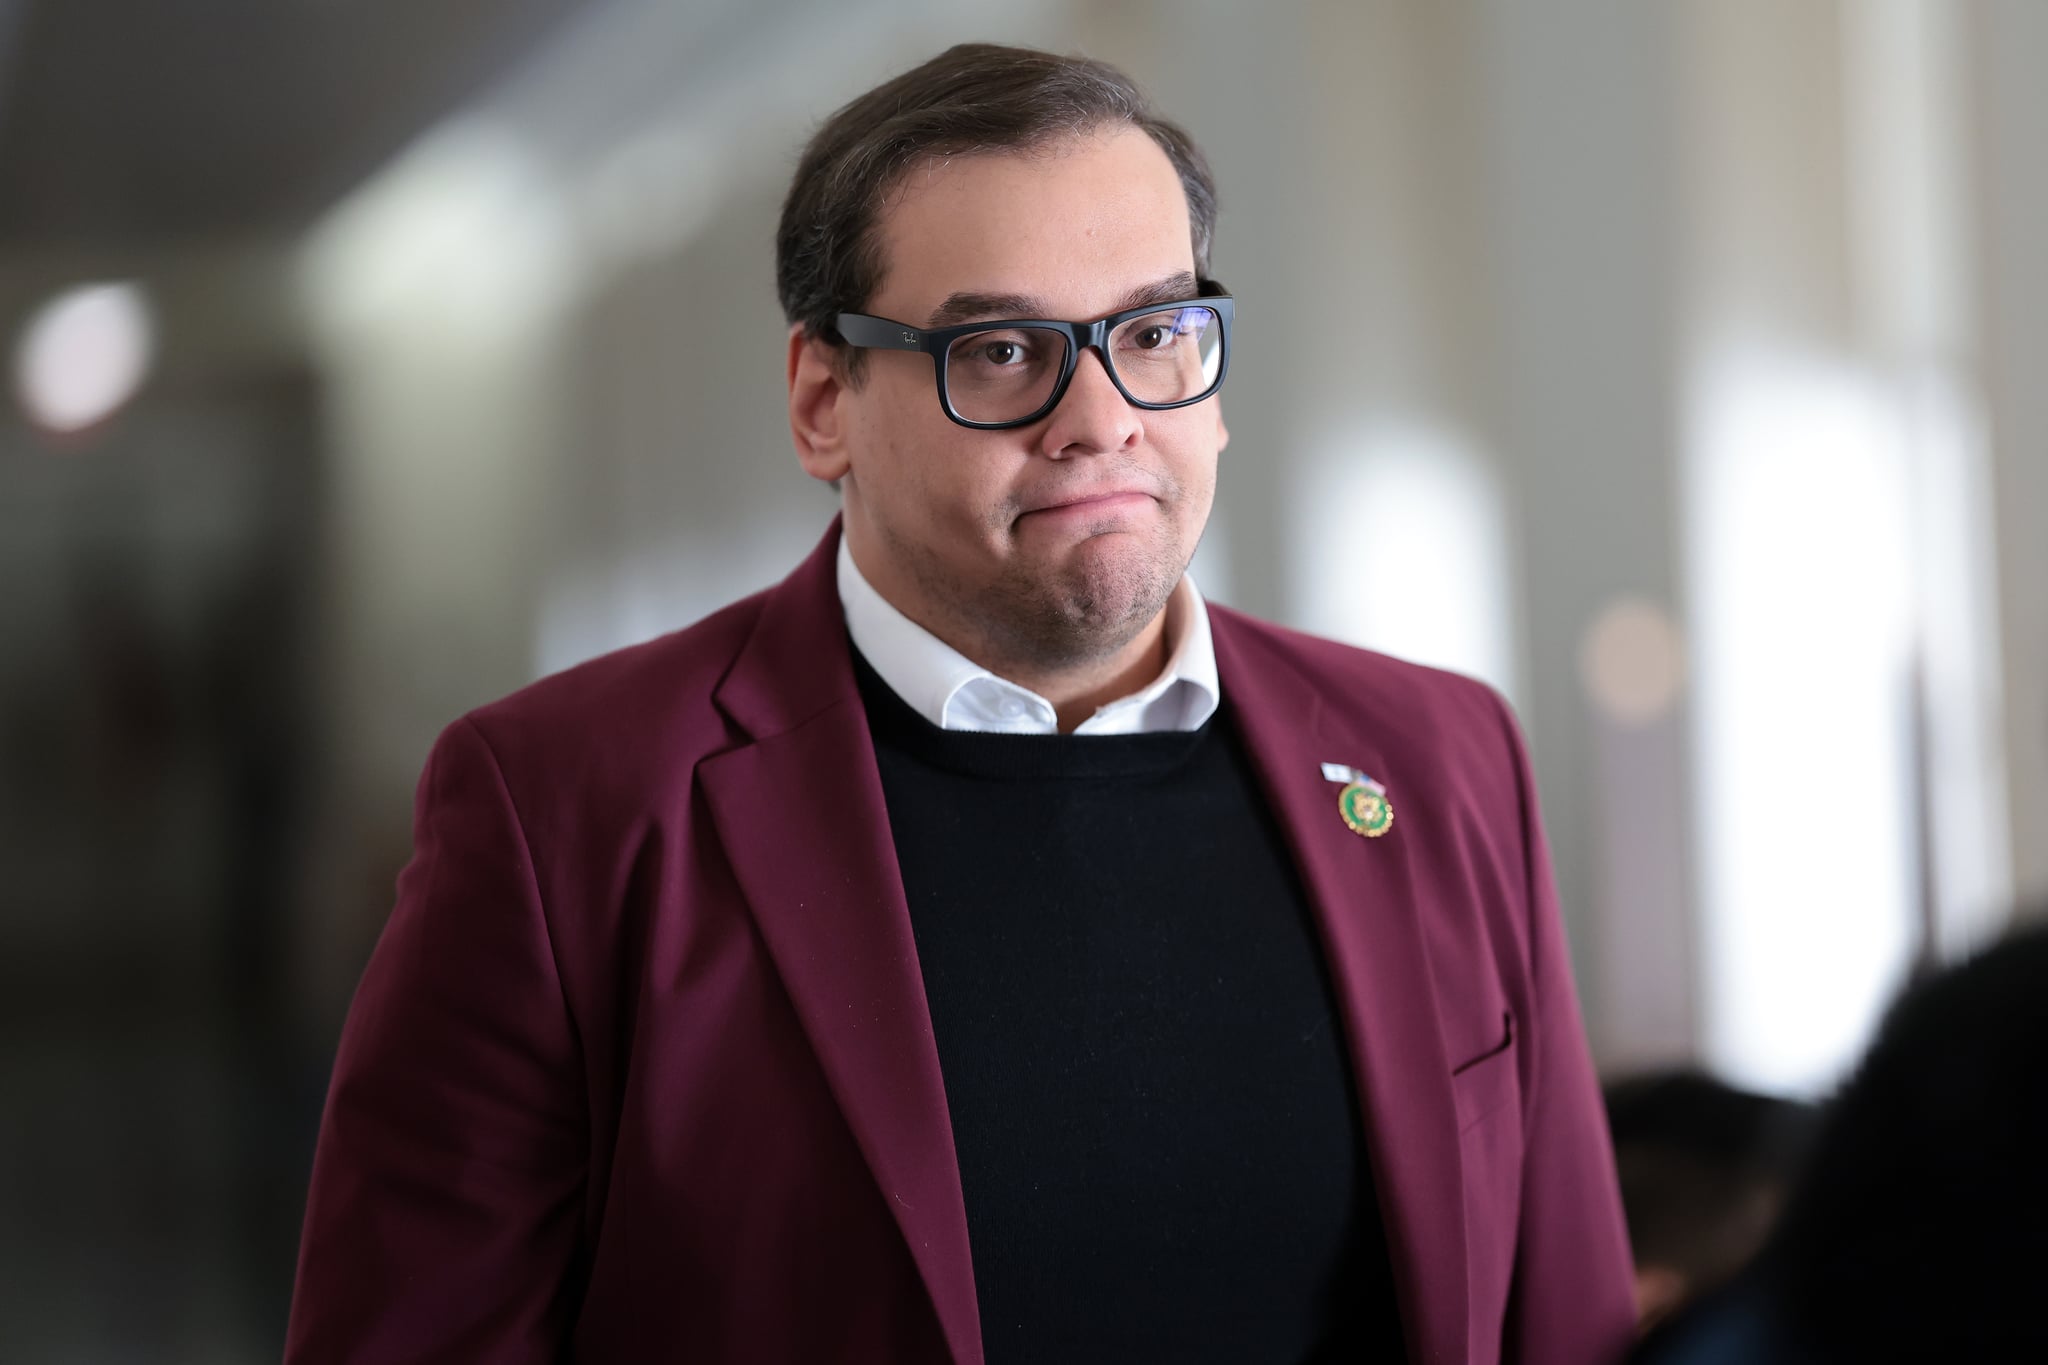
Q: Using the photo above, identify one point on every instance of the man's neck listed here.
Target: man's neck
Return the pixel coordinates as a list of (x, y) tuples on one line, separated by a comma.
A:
[(1076, 690), (1079, 692)]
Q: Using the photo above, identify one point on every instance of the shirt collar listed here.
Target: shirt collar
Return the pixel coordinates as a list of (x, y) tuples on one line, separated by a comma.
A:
[(955, 693)]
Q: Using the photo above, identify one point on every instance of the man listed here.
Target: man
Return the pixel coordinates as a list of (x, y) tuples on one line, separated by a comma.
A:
[(976, 947)]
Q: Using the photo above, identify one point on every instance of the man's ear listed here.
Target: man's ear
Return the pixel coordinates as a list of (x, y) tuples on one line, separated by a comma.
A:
[(817, 413)]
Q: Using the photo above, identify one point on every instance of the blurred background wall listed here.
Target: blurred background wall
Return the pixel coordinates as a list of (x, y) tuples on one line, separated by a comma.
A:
[(1676, 367)]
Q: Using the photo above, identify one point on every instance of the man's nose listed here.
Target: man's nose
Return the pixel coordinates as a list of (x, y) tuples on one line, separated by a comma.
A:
[(1093, 417)]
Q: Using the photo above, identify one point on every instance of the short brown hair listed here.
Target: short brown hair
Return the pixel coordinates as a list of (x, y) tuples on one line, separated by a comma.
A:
[(976, 97)]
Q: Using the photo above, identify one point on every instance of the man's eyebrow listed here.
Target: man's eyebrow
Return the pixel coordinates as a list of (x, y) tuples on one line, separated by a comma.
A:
[(969, 306), (1172, 289)]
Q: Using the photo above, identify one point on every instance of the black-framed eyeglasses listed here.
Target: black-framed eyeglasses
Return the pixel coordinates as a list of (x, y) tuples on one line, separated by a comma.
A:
[(1012, 372)]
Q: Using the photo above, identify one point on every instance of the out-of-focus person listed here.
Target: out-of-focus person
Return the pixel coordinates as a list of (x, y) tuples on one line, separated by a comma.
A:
[(1918, 1231), (1704, 1171)]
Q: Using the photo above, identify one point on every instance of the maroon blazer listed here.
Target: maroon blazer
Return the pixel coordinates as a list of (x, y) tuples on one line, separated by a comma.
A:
[(641, 1068)]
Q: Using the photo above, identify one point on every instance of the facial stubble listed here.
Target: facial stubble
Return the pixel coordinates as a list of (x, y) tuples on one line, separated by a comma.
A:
[(1036, 617)]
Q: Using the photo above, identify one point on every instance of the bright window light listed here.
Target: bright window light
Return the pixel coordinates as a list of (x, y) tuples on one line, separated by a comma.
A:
[(1401, 547), (1801, 578)]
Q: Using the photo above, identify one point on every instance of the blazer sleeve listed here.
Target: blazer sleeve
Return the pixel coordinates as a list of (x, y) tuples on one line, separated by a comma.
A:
[(1572, 1302), (443, 1217)]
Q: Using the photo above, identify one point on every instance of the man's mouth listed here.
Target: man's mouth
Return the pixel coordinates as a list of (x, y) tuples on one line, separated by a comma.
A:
[(1089, 501)]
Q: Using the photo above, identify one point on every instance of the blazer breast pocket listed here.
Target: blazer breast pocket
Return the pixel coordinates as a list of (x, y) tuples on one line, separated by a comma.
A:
[(1485, 1084), (1487, 1090)]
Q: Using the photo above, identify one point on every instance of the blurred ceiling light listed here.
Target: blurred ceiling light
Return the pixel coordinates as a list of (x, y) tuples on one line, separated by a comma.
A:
[(1632, 661), (463, 233), (84, 355)]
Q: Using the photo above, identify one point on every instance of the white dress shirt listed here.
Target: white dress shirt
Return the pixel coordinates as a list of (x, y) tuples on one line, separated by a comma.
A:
[(955, 693)]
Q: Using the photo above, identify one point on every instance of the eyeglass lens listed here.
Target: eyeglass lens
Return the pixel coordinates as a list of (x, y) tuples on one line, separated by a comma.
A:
[(1008, 373)]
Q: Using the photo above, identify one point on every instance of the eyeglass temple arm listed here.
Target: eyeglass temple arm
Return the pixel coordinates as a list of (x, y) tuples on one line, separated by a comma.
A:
[(878, 334)]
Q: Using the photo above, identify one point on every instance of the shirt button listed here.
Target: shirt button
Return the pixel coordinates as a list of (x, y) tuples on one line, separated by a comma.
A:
[(1013, 708)]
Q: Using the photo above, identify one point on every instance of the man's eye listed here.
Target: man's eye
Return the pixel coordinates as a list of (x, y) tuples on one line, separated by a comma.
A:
[(1157, 334), (997, 352)]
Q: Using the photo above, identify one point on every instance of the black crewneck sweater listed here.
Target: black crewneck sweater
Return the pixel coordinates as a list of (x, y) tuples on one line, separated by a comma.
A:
[(1159, 1139)]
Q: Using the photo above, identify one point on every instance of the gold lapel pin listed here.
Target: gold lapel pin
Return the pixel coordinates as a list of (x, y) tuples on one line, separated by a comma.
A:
[(1363, 802)]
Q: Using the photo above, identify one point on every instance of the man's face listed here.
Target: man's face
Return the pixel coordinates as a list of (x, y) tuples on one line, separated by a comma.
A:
[(1056, 543)]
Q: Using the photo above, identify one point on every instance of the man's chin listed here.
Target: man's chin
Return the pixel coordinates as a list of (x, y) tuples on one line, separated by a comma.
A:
[(1101, 598), (1108, 551)]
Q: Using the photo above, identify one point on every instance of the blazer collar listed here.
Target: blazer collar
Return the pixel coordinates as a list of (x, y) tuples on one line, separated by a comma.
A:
[(795, 665), (800, 812), (1369, 907)]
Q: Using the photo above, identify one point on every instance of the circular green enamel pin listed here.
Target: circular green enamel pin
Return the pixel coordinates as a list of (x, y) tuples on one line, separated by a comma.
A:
[(1366, 809)]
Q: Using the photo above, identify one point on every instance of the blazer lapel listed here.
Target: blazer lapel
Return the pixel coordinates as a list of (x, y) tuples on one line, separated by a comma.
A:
[(801, 815), (1366, 900)]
